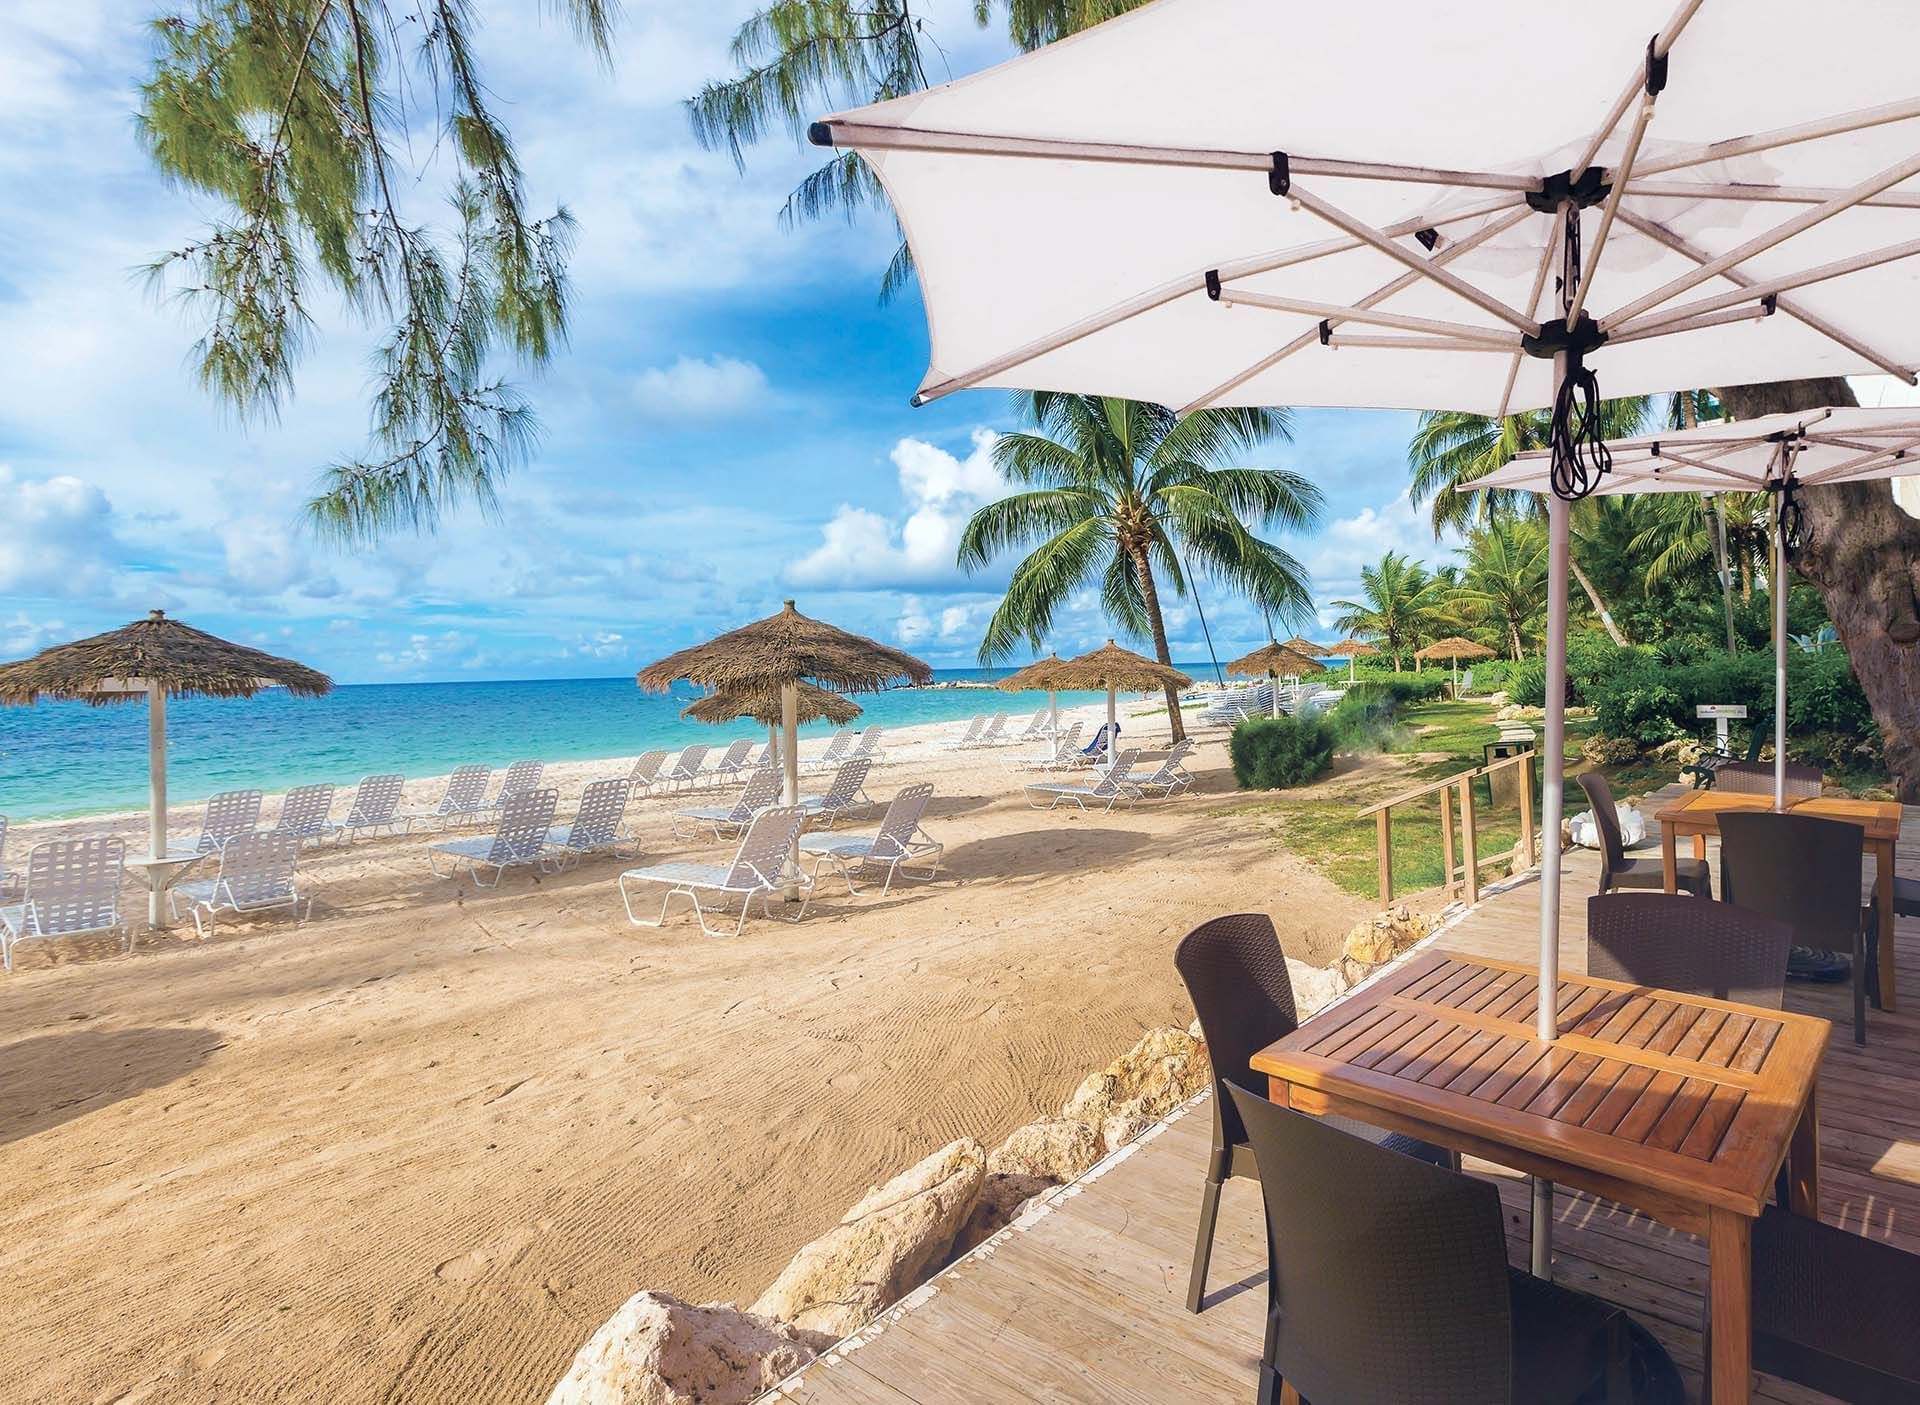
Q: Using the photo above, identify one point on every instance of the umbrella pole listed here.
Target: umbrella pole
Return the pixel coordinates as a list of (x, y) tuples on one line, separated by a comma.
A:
[(1779, 666), (156, 795), (1112, 723), (1053, 711), (790, 765), (1273, 697)]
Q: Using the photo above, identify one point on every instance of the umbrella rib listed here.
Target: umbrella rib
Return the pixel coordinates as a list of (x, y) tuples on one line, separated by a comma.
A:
[(1401, 321), (1881, 456), (1760, 243), (1377, 296), (1838, 125), (1547, 253), (1379, 241), (1658, 232), (1623, 171), (1197, 282), (1758, 312), (1661, 46), (1767, 194), (1772, 286), (1335, 341), (860, 134)]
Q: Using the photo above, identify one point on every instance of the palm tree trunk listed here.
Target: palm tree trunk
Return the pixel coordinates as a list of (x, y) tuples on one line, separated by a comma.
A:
[(1726, 568), (1599, 605), (1151, 594), (1513, 632)]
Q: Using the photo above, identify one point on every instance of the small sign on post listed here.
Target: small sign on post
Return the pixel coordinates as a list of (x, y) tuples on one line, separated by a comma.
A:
[(1721, 714)]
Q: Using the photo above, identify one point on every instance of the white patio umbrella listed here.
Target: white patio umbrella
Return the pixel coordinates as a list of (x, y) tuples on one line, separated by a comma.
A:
[(1777, 454), (1492, 208)]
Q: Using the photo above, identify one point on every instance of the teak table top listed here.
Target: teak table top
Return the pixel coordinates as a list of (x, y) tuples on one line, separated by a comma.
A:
[(1700, 812), (1691, 1100)]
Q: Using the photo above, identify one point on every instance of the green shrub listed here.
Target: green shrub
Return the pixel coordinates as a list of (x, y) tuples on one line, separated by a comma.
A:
[(1270, 753), (1403, 687), (1364, 719), (1527, 683)]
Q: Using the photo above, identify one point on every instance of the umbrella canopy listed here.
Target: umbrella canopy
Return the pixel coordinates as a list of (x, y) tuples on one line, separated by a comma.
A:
[(1118, 670), (1300, 645), (1280, 659), (154, 658), (1454, 647), (1041, 673), (1353, 649), (814, 704)]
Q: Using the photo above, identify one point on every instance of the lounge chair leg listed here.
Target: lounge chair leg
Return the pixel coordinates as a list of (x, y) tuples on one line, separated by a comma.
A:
[(1203, 1237)]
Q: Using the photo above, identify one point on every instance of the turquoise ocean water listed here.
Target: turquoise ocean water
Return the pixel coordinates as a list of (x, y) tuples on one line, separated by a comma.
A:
[(59, 759)]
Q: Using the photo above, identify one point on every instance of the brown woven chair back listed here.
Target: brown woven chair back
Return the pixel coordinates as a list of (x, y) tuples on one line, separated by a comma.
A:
[(1674, 941)]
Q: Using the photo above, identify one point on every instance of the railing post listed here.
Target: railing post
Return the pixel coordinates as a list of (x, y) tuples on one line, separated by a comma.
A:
[(1467, 846), (1383, 829), (1526, 809), (1446, 837)]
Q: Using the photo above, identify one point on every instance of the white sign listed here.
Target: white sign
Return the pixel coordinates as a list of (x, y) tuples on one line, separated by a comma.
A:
[(1716, 711)]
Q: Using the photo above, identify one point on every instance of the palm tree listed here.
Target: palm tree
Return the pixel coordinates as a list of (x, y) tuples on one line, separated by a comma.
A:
[(1451, 449), (1505, 581), (1402, 606), (1117, 492)]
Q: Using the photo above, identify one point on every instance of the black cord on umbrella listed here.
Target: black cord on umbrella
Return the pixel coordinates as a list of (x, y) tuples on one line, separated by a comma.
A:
[(1790, 517), (1580, 454)]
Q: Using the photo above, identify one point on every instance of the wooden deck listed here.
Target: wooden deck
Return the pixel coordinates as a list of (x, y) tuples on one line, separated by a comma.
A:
[(1085, 1299)]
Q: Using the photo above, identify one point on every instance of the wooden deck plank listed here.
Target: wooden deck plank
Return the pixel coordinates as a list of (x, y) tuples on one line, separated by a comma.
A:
[(1087, 1304)]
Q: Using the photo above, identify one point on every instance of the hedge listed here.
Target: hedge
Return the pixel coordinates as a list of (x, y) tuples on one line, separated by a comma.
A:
[(1270, 753)]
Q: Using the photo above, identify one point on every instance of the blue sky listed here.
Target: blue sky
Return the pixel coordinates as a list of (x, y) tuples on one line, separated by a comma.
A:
[(729, 428)]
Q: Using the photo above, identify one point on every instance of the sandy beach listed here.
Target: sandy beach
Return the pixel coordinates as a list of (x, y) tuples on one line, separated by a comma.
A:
[(421, 1146)]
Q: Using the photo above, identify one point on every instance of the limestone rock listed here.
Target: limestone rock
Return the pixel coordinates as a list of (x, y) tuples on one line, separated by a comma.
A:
[(1001, 1199), (1316, 987), (1681, 751), (658, 1350), (1384, 936), (1147, 1082), (883, 1248), (1603, 750), (1055, 1149)]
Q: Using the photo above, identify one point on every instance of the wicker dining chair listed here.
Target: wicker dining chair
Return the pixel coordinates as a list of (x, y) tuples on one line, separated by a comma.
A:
[(1619, 871), (1804, 871), (1672, 942), (1236, 976), (1756, 778), (1388, 1280)]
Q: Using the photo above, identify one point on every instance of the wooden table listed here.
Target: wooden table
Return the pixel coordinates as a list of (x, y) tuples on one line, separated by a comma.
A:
[(1698, 814), (1681, 1107)]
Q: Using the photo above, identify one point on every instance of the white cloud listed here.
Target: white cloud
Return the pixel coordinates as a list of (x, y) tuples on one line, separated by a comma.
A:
[(1346, 545), (692, 389), (59, 538), (860, 549)]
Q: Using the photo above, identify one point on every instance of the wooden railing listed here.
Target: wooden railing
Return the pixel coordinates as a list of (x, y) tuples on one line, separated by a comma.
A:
[(1465, 874)]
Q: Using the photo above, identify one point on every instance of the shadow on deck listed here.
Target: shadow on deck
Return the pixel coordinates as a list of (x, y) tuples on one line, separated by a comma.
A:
[(1084, 1300)]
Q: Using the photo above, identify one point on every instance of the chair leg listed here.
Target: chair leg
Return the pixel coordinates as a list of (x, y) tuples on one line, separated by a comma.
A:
[(1860, 985), (1203, 1237)]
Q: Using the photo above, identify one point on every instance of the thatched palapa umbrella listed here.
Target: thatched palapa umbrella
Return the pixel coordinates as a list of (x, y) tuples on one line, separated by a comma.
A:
[(1301, 645), (1272, 661), (816, 704), (1120, 670), (1351, 649), (779, 654), (1041, 673), (1455, 648), (154, 658)]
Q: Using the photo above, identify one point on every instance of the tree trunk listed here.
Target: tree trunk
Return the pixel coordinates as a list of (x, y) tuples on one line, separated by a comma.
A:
[(1513, 632), (1863, 553), (1599, 605), (1718, 529), (1151, 594)]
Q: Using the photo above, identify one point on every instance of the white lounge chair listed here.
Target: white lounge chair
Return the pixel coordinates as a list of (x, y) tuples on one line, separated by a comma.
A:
[(521, 776), (645, 774), (992, 734), (1106, 792), (1169, 778), (1037, 728), (836, 749), (761, 867), (845, 796), (898, 842), (1060, 753), (72, 888), (967, 737), (229, 813), (303, 814), (464, 799), (519, 839), (1099, 751), (762, 790), (732, 763), (769, 755), (868, 747), (684, 770), (256, 875), (375, 801), (8, 879), (596, 826)]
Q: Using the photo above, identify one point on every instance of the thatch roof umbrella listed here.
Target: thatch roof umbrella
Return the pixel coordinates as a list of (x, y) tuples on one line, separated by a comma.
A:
[(1041, 673), (816, 704), (154, 658), (1351, 649), (1272, 661), (1455, 648), (779, 653), (1301, 645), (1119, 670)]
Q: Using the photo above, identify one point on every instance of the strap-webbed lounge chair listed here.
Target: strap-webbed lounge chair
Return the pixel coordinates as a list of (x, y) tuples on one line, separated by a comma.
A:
[(72, 888), (1096, 752), (1169, 778), (868, 747), (899, 841), (303, 814), (993, 734), (519, 839), (375, 801), (836, 751), (1062, 752), (684, 770), (645, 774), (596, 826), (521, 776), (761, 867), (968, 735), (464, 799), (229, 813), (731, 763), (1106, 792), (256, 875), (8, 879), (1035, 729), (846, 795), (762, 790)]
